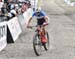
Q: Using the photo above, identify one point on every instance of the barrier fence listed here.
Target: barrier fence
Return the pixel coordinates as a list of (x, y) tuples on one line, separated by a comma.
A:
[(23, 18), (14, 28), (3, 35), (10, 30)]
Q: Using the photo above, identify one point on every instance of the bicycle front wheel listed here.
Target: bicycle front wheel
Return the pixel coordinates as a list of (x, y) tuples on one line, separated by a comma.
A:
[(37, 45)]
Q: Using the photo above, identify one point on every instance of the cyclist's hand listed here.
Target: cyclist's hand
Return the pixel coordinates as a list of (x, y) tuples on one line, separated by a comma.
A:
[(45, 23), (27, 25)]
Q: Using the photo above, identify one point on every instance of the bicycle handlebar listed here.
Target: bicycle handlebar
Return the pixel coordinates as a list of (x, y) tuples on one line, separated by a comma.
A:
[(44, 24)]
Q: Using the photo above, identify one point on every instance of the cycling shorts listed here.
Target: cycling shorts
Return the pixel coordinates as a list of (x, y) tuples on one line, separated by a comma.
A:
[(40, 21)]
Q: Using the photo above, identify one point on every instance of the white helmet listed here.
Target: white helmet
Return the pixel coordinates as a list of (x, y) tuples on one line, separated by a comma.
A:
[(38, 9)]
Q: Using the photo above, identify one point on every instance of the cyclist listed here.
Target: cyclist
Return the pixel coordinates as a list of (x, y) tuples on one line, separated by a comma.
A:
[(41, 17)]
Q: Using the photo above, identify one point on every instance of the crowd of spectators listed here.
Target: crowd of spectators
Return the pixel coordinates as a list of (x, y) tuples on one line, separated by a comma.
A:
[(12, 9)]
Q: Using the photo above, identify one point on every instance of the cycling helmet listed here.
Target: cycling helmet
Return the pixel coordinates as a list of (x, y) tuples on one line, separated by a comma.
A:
[(38, 9)]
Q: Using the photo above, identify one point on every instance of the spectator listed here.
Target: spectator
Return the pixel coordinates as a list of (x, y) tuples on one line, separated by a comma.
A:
[(24, 7), (12, 12), (4, 9), (1, 4)]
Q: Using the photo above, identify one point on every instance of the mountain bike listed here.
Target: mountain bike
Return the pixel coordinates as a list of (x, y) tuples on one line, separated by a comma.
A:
[(41, 38)]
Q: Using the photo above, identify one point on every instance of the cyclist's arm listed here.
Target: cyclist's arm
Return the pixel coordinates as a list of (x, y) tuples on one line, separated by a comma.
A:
[(33, 14), (46, 18), (29, 21)]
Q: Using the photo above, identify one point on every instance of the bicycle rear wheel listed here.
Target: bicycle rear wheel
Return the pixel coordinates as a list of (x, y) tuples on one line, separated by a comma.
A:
[(37, 45), (46, 45)]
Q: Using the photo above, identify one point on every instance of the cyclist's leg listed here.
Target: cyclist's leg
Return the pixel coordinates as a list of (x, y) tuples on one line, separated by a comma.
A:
[(40, 27)]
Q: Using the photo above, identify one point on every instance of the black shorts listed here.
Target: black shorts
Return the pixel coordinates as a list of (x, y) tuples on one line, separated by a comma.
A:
[(40, 21)]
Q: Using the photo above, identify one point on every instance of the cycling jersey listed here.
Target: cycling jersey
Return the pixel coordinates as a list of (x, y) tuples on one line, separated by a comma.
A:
[(40, 17)]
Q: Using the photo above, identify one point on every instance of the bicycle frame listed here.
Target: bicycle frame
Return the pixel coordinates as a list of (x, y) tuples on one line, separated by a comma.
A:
[(41, 32), (38, 39)]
